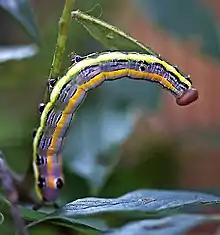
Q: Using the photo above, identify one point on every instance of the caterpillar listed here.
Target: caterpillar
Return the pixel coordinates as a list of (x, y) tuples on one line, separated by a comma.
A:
[(69, 92)]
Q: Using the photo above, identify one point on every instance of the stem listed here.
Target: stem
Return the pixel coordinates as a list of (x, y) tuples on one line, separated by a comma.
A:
[(61, 43), (55, 69), (11, 194)]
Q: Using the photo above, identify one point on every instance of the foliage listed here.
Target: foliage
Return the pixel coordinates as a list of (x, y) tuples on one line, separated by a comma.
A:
[(94, 144)]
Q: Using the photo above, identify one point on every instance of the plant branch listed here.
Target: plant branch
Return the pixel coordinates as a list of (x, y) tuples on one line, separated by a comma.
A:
[(61, 43), (11, 194), (55, 69)]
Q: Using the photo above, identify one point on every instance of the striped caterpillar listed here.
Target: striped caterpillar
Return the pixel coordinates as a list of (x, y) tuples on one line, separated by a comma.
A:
[(68, 94)]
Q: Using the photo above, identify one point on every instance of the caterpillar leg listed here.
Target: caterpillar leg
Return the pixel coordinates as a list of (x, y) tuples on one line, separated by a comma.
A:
[(56, 206), (41, 107), (75, 58), (51, 82), (36, 207)]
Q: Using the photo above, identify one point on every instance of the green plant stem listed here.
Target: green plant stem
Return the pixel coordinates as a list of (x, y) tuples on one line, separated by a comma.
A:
[(61, 43), (55, 68)]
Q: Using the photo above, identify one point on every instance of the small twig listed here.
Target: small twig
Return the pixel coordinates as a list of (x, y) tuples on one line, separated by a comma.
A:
[(61, 42), (11, 194)]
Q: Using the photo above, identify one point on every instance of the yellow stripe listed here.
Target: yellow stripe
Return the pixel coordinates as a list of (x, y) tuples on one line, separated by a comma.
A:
[(62, 121), (73, 71), (123, 73), (47, 108), (97, 79), (108, 57), (49, 164), (50, 181)]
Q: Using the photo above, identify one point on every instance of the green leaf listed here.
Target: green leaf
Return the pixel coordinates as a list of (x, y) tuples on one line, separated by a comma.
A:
[(18, 52), (102, 214), (108, 35), (172, 225), (22, 12)]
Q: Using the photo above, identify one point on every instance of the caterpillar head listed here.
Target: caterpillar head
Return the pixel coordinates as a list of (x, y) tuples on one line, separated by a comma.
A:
[(49, 180), (49, 188), (48, 193)]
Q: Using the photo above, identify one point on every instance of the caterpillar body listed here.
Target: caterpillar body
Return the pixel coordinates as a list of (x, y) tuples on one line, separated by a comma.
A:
[(68, 94)]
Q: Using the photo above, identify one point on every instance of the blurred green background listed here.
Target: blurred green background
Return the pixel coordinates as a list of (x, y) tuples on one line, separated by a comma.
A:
[(115, 144)]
